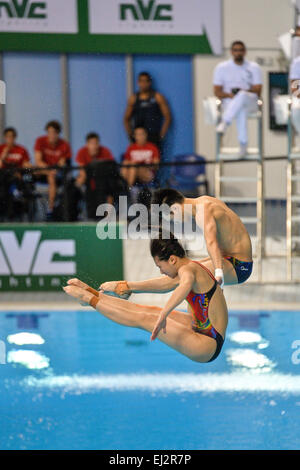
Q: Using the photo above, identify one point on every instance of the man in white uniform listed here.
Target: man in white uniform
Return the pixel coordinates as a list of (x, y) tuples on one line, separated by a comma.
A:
[(295, 89), (238, 83)]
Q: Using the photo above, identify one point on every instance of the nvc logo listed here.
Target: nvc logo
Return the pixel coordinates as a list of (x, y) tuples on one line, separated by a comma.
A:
[(35, 257), (23, 9), (151, 11)]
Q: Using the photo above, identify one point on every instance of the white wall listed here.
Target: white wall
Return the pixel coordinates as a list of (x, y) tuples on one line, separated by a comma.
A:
[(258, 23)]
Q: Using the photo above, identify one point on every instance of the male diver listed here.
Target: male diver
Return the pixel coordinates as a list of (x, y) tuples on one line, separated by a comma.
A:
[(227, 240)]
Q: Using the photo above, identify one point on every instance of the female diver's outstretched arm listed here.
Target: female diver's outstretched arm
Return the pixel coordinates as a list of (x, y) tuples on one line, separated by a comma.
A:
[(162, 284), (158, 285)]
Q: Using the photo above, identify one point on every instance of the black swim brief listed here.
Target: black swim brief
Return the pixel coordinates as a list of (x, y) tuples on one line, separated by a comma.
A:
[(243, 269)]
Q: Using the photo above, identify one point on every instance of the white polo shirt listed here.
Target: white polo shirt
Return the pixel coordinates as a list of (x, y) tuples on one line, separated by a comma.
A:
[(229, 75), (295, 69)]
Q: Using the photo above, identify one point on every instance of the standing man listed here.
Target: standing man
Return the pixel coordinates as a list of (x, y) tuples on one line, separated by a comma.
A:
[(227, 240), (51, 150), (149, 109), (238, 83)]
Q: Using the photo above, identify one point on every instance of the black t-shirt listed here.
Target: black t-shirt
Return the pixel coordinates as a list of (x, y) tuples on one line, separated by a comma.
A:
[(147, 114)]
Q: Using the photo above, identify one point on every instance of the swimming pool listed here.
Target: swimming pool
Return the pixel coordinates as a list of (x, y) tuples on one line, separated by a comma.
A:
[(82, 382)]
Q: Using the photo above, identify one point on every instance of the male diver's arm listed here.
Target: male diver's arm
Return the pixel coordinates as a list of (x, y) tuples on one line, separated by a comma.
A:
[(210, 235)]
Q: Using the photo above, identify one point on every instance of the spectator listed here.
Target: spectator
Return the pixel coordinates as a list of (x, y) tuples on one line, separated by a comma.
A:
[(15, 193), (141, 151), (92, 151), (12, 154), (238, 83), (100, 179), (149, 109), (51, 150), (295, 89)]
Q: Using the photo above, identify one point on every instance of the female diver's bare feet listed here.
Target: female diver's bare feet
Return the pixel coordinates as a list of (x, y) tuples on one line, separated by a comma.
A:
[(78, 293), (78, 283)]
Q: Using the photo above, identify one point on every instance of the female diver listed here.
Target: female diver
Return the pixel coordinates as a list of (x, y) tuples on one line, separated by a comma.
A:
[(199, 335)]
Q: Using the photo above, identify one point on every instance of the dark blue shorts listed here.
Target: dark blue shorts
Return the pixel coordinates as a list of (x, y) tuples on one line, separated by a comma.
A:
[(243, 269)]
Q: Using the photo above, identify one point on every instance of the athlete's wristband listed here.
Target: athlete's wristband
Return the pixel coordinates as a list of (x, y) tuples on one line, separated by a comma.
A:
[(219, 273), (93, 302)]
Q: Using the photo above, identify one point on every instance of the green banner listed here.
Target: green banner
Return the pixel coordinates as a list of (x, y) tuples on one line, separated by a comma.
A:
[(112, 26), (40, 257)]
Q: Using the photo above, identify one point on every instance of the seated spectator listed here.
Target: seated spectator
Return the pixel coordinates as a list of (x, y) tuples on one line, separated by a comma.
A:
[(51, 150), (99, 174), (15, 193), (92, 151), (238, 83), (13, 155), (141, 151)]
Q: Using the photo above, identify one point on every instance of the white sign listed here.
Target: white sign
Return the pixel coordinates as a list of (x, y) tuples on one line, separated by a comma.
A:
[(158, 17), (32, 16)]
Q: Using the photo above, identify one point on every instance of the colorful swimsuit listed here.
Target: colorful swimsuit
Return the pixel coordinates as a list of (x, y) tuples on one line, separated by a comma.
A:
[(199, 304)]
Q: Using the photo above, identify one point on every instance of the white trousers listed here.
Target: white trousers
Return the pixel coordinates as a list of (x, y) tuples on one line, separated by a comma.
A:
[(295, 112), (239, 108)]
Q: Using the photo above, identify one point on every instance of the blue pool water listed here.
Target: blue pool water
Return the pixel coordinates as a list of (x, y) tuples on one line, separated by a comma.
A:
[(83, 382)]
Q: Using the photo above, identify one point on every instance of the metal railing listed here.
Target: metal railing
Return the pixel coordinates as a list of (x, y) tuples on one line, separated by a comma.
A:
[(292, 196)]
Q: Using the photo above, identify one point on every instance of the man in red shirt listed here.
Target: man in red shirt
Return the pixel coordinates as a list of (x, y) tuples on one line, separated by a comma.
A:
[(141, 151), (99, 184), (13, 155), (51, 150), (92, 151)]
